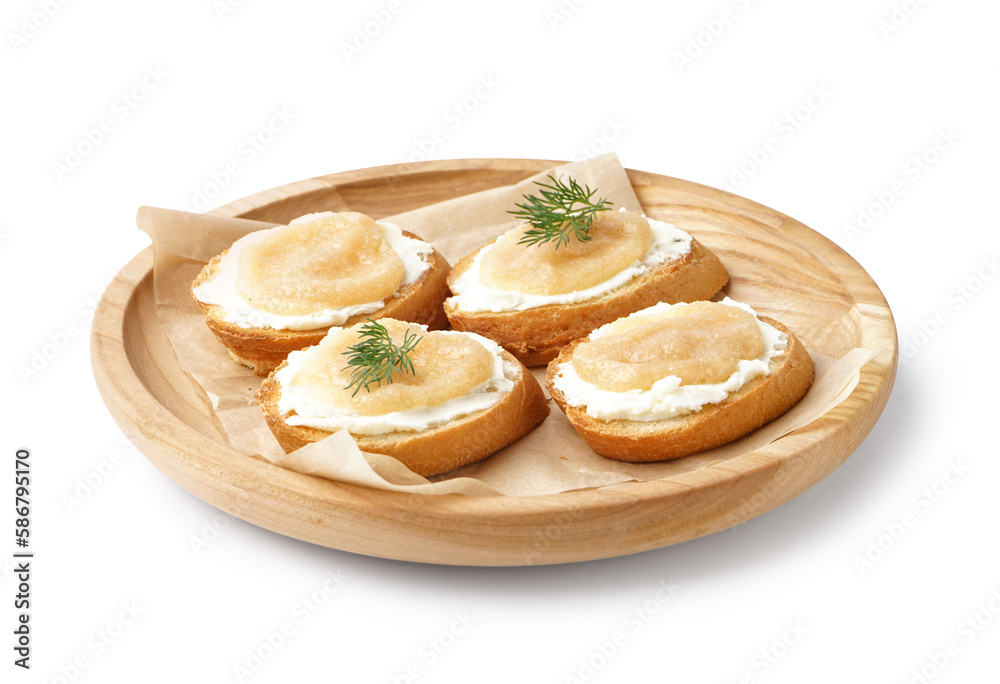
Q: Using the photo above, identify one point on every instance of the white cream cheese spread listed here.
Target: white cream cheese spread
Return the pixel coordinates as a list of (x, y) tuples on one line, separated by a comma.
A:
[(471, 295), (221, 290), (331, 418), (667, 398)]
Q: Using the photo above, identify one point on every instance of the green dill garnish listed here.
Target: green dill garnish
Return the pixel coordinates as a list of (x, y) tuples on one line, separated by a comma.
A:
[(375, 358), (561, 211)]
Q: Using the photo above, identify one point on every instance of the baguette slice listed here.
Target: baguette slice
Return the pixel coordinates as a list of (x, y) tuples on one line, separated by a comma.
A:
[(437, 450), (535, 336), (262, 349), (758, 402)]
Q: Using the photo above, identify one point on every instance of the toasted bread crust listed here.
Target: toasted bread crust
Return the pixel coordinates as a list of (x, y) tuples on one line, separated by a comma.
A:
[(262, 349), (535, 336), (758, 402), (437, 450)]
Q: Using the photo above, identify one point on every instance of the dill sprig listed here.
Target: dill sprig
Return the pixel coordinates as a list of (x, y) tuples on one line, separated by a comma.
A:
[(375, 358), (561, 211)]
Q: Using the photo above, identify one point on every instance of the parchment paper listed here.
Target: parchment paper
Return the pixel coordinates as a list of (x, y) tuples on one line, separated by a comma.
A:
[(549, 460)]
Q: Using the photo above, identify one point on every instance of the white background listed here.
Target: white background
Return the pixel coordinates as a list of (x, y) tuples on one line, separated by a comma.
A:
[(569, 80)]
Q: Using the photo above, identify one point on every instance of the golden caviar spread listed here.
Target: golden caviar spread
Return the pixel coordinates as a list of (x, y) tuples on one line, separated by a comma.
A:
[(618, 240), (446, 366), (506, 276), (669, 360), (699, 343), (333, 260), (316, 272), (456, 373)]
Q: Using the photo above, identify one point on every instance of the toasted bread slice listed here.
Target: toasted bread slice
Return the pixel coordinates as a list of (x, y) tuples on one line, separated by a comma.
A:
[(758, 402), (437, 450), (262, 349), (535, 336)]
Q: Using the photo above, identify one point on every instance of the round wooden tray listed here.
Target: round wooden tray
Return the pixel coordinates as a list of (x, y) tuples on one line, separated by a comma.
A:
[(782, 268)]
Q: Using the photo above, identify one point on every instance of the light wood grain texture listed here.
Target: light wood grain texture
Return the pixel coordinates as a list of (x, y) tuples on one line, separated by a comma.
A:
[(777, 265)]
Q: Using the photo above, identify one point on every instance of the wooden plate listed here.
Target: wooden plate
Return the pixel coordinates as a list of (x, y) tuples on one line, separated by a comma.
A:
[(780, 266)]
